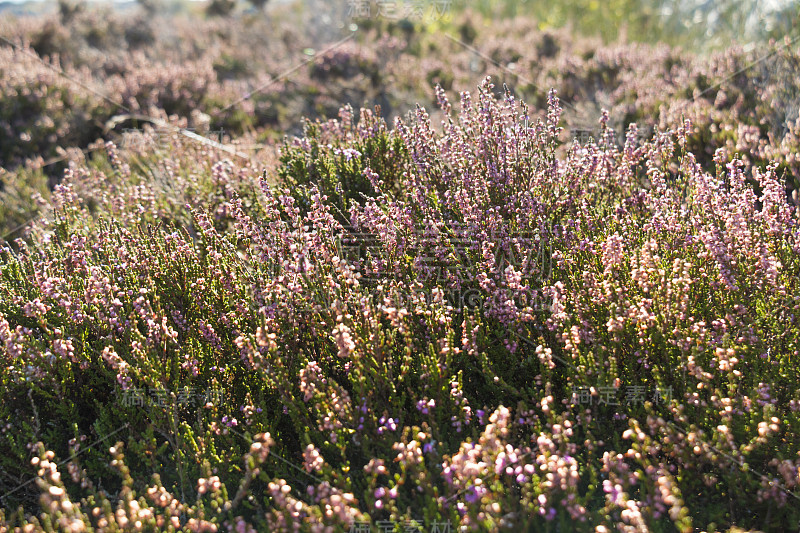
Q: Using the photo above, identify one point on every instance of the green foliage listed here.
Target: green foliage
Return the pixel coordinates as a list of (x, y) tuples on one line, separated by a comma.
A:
[(23, 194), (333, 157), (698, 25)]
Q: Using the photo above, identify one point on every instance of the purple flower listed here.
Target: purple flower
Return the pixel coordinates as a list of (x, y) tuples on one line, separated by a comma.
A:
[(429, 447), (386, 423), (474, 493), (349, 153), (422, 407), (425, 407)]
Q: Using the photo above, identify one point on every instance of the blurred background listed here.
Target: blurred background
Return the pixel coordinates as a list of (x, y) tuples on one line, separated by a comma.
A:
[(704, 24)]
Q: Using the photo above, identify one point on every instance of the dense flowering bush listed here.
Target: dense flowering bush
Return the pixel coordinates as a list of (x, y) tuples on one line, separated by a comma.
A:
[(339, 156), (248, 73), (473, 325), (41, 110)]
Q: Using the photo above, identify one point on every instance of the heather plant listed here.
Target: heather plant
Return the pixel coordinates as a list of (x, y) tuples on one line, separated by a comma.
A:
[(41, 110), (486, 328), (484, 323), (22, 195), (195, 64), (335, 158)]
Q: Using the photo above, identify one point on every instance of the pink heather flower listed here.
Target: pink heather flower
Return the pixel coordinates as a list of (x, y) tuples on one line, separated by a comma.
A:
[(614, 492), (425, 407), (212, 484), (545, 356), (344, 341), (65, 349), (613, 251), (475, 493), (10, 339), (310, 376), (386, 423), (348, 153), (312, 459), (242, 526), (118, 364)]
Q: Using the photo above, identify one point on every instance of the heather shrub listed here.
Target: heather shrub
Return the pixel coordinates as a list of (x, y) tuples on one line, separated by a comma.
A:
[(195, 63), (483, 323), (333, 158), (346, 62), (499, 331), (39, 110), (22, 195)]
